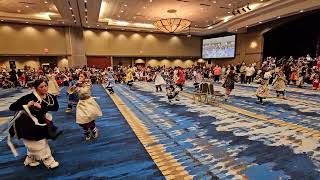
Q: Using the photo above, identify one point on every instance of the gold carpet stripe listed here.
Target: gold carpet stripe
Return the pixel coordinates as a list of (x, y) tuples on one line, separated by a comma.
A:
[(3, 120), (167, 164), (292, 126)]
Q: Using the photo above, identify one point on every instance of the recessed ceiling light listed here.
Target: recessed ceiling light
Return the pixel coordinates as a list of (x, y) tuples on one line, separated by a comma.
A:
[(119, 16), (229, 4), (85, 10), (144, 7), (70, 8), (98, 25), (301, 10), (73, 15), (229, 12), (125, 5), (62, 22), (279, 17), (214, 2), (27, 6), (260, 22), (2, 20), (247, 26), (122, 11), (46, 2), (74, 21), (18, 10), (27, 22)]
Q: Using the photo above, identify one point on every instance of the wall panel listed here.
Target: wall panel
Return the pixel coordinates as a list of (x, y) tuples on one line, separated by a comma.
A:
[(32, 40)]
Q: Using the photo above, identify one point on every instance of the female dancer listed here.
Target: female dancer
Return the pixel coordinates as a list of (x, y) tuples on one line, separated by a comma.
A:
[(129, 77), (110, 80), (263, 91), (158, 81), (229, 83), (73, 97), (279, 84), (53, 87), (33, 124), (87, 109)]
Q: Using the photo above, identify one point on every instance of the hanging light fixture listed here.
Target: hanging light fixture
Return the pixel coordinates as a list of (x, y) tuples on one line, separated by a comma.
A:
[(172, 25)]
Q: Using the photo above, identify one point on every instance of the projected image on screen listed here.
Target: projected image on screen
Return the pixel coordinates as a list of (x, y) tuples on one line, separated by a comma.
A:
[(221, 47)]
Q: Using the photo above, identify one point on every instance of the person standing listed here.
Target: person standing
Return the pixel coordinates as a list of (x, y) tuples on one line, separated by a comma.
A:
[(34, 125), (53, 87), (158, 81), (243, 73), (88, 109), (279, 84), (217, 73), (250, 70), (229, 83), (181, 78), (129, 77)]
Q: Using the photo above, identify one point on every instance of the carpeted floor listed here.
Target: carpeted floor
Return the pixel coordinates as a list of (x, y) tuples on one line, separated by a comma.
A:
[(237, 139), (213, 141), (117, 154)]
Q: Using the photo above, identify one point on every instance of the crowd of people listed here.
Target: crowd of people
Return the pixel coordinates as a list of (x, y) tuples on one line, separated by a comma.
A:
[(34, 124)]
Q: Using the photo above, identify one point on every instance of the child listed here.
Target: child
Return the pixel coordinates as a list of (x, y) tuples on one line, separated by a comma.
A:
[(263, 91), (87, 109), (229, 83), (110, 80), (172, 91), (73, 98), (315, 82), (279, 84), (158, 81)]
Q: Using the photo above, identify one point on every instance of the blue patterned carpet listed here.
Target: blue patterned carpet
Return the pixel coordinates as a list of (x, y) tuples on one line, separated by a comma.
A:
[(117, 154), (238, 139), (213, 141)]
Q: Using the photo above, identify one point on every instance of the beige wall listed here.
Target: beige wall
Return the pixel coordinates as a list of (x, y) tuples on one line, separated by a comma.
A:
[(119, 43), (33, 62), (170, 62), (31, 40), (249, 49), (20, 61)]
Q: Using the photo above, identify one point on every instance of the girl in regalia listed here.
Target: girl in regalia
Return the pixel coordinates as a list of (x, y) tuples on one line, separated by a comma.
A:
[(263, 90), (229, 83), (279, 84), (158, 81), (53, 87), (73, 98), (129, 77), (34, 125), (87, 109), (110, 80), (315, 82)]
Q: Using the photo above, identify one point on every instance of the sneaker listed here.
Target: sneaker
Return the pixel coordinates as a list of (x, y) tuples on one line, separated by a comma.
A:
[(31, 162), (68, 110), (96, 133)]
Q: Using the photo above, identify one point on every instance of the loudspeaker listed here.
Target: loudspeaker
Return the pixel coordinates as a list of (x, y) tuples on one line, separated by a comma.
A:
[(12, 64), (209, 61)]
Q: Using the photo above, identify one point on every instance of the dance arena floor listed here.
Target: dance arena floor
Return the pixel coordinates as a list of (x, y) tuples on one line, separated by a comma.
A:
[(143, 136)]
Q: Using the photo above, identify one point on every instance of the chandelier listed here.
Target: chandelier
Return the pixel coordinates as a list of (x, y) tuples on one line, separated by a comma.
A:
[(172, 25)]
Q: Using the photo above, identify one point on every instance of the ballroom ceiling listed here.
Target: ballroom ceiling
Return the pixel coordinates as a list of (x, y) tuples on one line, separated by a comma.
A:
[(206, 16)]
